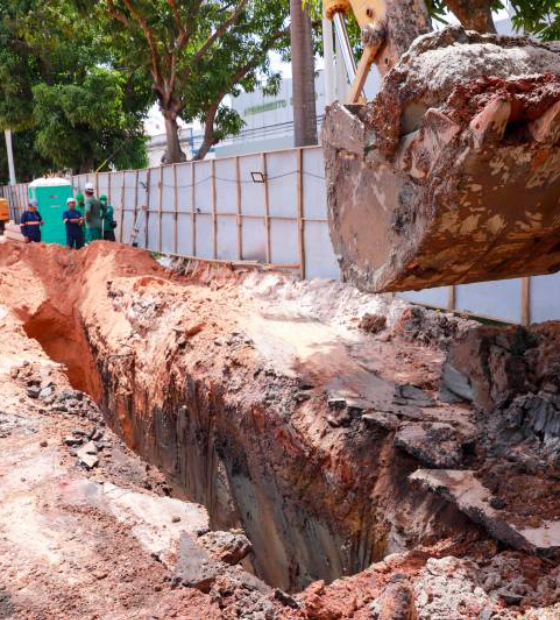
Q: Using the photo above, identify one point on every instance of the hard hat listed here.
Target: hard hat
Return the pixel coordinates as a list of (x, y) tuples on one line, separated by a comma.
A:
[(103, 198), (79, 197), (89, 187), (33, 202), (70, 201)]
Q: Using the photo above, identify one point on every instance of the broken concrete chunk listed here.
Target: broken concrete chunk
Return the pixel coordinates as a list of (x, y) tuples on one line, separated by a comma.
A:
[(535, 415), (470, 496), (410, 394), (396, 602), (71, 440), (456, 382), (229, 547), (195, 567), (89, 461), (33, 391), (90, 448), (435, 444)]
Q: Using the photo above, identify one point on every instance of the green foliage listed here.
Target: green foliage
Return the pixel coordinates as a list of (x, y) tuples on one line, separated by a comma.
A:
[(80, 125), (439, 11), (59, 84), (196, 52), (539, 17)]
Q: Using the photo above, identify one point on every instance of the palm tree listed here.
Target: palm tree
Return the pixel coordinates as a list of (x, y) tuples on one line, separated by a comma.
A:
[(303, 76)]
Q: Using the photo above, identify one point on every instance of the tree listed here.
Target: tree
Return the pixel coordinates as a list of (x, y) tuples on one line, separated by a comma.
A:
[(52, 86), (538, 17), (79, 126), (303, 75), (196, 53)]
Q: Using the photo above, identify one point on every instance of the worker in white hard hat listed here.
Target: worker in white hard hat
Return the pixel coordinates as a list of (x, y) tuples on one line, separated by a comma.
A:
[(73, 220), (94, 213), (31, 222)]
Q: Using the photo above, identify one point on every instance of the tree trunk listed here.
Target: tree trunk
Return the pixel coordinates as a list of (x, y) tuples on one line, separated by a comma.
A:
[(86, 165), (209, 135), (473, 14), (173, 153), (303, 76)]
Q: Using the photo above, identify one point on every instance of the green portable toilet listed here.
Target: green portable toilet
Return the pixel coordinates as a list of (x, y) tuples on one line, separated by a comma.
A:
[(51, 194)]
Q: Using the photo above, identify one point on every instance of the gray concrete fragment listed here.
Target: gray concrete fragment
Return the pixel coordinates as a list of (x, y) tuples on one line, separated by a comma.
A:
[(435, 444), (464, 490)]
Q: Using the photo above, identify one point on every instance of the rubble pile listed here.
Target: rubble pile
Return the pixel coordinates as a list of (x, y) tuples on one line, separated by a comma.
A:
[(357, 457)]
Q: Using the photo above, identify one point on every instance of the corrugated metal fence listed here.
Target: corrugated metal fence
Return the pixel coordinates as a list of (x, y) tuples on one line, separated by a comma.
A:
[(271, 208)]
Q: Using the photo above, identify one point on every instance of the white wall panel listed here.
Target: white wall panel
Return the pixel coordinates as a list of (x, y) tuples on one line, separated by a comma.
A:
[(253, 237), (320, 261), (204, 236), (203, 187), (252, 194), (314, 187), (184, 187), (102, 184), (227, 237), (545, 298), (168, 192), (282, 183), (184, 235), (500, 299), (226, 186), (284, 242), (167, 233), (430, 296)]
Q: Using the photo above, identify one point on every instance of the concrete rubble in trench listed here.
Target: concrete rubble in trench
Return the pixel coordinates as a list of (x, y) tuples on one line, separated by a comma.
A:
[(308, 451)]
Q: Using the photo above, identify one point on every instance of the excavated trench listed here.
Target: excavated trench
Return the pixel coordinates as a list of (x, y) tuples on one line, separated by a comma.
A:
[(331, 447), (312, 512)]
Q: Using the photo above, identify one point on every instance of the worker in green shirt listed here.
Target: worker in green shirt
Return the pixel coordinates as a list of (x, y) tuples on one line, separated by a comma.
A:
[(109, 223), (81, 208), (94, 212)]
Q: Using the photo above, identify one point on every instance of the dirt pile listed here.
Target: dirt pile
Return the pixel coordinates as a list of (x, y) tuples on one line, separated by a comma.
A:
[(336, 448)]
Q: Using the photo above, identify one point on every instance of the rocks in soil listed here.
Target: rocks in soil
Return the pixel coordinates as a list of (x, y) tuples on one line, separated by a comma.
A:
[(408, 394), (34, 391), (396, 602), (373, 323), (431, 327), (88, 455), (229, 547), (436, 444)]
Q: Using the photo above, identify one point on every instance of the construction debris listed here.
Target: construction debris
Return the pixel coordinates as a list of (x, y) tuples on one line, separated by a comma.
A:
[(328, 475)]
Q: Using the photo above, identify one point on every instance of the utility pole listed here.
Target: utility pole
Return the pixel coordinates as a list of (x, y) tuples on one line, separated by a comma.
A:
[(10, 152)]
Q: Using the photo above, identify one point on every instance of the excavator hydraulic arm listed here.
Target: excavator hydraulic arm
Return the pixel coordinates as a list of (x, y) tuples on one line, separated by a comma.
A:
[(387, 30), (451, 174)]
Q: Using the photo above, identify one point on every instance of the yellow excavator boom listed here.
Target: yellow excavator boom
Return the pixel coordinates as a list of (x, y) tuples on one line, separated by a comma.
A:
[(387, 30)]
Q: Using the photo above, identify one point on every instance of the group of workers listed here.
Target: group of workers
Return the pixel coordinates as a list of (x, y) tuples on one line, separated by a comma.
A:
[(86, 219)]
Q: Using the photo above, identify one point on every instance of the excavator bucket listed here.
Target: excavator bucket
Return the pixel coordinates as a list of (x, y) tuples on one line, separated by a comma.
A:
[(452, 173)]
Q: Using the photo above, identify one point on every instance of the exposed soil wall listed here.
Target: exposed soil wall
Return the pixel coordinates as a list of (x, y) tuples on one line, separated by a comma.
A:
[(334, 427), (172, 363)]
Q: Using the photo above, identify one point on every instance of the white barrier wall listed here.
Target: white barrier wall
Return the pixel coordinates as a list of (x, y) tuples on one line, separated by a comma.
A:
[(271, 208), (266, 207)]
